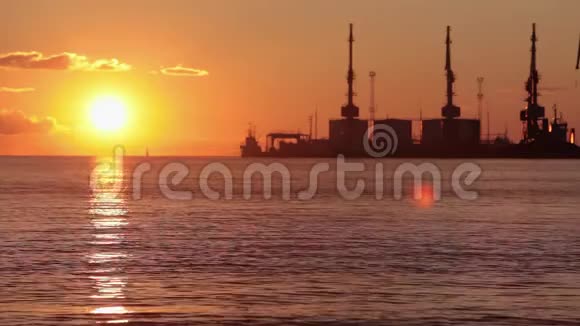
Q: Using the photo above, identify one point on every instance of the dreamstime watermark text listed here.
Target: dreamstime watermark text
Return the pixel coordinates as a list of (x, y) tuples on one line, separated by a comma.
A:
[(257, 178)]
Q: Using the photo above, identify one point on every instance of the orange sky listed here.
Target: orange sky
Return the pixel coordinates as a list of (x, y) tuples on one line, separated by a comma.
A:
[(270, 63)]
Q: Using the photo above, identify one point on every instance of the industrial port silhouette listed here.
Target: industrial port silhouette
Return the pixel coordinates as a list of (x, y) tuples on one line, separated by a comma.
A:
[(449, 136)]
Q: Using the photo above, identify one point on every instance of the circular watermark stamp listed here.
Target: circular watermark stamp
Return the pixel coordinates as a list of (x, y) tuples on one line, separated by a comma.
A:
[(380, 140)]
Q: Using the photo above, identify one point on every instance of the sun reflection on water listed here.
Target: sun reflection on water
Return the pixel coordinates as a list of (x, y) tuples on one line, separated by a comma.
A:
[(108, 218), (109, 287), (427, 196), (110, 310)]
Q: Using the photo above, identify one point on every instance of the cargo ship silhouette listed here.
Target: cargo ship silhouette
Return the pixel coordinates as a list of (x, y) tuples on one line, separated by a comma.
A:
[(448, 137)]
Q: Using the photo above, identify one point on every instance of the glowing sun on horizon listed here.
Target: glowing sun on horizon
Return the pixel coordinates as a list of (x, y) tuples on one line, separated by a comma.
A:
[(108, 113)]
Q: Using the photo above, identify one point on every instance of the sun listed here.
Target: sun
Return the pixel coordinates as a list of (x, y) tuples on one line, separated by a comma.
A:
[(108, 113)]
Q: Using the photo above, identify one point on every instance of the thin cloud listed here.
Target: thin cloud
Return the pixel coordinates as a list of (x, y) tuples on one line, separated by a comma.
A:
[(16, 90), (179, 70), (63, 61), (13, 122)]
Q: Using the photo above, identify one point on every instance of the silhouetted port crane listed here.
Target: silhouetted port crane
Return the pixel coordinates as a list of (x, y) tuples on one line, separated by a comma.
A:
[(449, 111), (533, 114), (350, 110)]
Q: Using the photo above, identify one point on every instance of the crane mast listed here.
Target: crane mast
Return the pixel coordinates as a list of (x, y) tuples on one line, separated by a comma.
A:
[(533, 114), (350, 110), (533, 79), (449, 72), (449, 111)]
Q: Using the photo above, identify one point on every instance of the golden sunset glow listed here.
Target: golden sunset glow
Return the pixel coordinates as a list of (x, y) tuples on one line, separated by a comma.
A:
[(108, 113), (184, 78)]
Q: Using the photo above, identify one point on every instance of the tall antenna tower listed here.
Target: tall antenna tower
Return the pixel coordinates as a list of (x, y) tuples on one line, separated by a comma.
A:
[(310, 127), (480, 104), (479, 97), (421, 120), (316, 123), (488, 126), (372, 106)]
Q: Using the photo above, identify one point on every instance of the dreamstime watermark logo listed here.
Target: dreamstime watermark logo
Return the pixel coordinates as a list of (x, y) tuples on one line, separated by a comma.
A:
[(380, 140), (170, 178)]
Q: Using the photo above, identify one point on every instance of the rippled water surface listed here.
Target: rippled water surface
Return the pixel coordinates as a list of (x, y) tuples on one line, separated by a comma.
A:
[(71, 256)]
